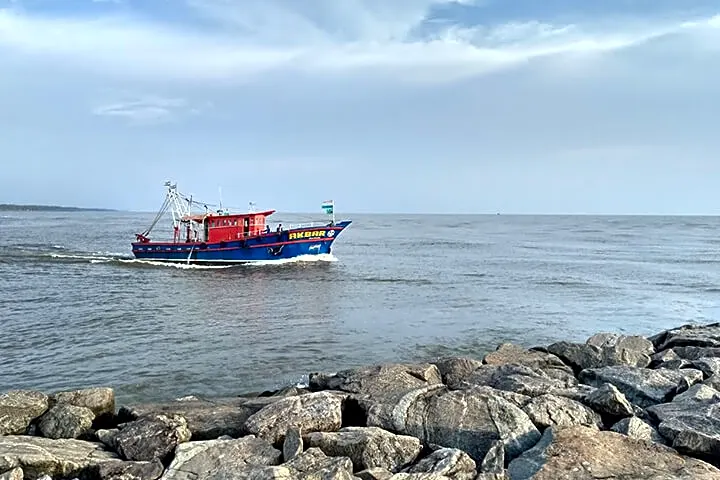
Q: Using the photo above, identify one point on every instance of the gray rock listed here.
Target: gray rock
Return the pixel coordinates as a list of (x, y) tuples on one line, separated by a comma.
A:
[(367, 447), (514, 378), (688, 335), (553, 411), (636, 428), (456, 367), (508, 353), (710, 366), (245, 458), (66, 421), (713, 382), (100, 400), (578, 393), (581, 452), (373, 387), (293, 444), (470, 420), (608, 400), (14, 474), (675, 364), (494, 461), (643, 386), (698, 393), (378, 380), (313, 464), (18, 408), (604, 350), (206, 419), (493, 476), (63, 458), (151, 437), (696, 353), (313, 412), (107, 437), (579, 356), (419, 476), (662, 357), (691, 422), (451, 462), (517, 399), (375, 473), (632, 350), (123, 470)]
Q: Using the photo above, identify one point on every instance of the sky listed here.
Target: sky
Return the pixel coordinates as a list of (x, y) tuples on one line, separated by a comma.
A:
[(416, 106)]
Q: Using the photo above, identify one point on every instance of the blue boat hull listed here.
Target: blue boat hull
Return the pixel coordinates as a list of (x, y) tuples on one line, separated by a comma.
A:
[(273, 246)]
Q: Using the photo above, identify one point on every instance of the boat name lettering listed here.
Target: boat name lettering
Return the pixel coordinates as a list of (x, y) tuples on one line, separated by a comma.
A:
[(307, 234)]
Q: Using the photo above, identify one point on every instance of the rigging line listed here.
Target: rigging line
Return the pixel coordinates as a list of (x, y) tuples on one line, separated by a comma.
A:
[(205, 204), (160, 213)]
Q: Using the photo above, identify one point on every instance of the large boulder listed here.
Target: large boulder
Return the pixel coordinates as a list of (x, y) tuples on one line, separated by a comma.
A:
[(710, 366), (313, 412), (688, 336), (604, 350), (691, 422), (470, 420), (148, 438), (378, 381), (554, 411), (63, 458), (451, 462), (244, 458), (206, 419), (367, 447), (582, 452), (508, 353), (101, 400), (456, 367), (18, 408), (639, 429), (516, 378), (643, 386), (608, 400), (616, 349), (692, 352), (66, 421), (375, 386), (313, 464)]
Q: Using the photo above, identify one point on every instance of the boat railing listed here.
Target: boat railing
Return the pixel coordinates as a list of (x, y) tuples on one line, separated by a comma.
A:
[(304, 225)]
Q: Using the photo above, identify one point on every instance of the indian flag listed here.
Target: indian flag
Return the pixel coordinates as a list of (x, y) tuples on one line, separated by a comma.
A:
[(328, 206)]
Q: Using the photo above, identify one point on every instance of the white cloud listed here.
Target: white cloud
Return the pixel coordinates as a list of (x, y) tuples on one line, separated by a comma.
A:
[(147, 110), (270, 36)]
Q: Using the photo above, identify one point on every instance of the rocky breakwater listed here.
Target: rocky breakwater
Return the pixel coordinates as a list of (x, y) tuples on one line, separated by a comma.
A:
[(615, 406)]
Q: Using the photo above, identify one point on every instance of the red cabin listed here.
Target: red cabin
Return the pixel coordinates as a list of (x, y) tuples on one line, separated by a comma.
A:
[(226, 227)]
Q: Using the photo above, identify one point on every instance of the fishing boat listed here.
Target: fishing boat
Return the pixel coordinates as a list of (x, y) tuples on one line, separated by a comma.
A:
[(221, 237)]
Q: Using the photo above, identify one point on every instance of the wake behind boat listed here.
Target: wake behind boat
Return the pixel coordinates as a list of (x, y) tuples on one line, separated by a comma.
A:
[(222, 237)]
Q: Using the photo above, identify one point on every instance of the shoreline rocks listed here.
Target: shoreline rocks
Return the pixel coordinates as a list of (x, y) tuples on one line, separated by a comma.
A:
[(616, 406)]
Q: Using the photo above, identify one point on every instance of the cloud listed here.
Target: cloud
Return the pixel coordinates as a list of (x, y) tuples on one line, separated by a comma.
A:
[(341, 38), (148, 110)]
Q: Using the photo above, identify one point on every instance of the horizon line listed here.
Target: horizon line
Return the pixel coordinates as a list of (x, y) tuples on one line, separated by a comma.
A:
[(78, 209)]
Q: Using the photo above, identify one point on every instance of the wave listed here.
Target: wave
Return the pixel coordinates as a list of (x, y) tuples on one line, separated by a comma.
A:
[(405, 281), (256, 263)]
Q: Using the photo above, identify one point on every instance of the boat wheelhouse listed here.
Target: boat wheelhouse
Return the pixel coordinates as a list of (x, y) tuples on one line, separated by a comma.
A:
[(221, 237)]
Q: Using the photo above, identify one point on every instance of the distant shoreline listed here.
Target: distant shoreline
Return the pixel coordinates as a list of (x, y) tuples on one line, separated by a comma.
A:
[(11, 207)]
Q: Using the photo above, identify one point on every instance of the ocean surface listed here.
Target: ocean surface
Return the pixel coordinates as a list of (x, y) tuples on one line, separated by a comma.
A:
[(78, 311)]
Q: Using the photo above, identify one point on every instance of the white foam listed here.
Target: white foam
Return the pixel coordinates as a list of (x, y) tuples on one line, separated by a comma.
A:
[(323, 257), (182, 266), (81, 257)]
